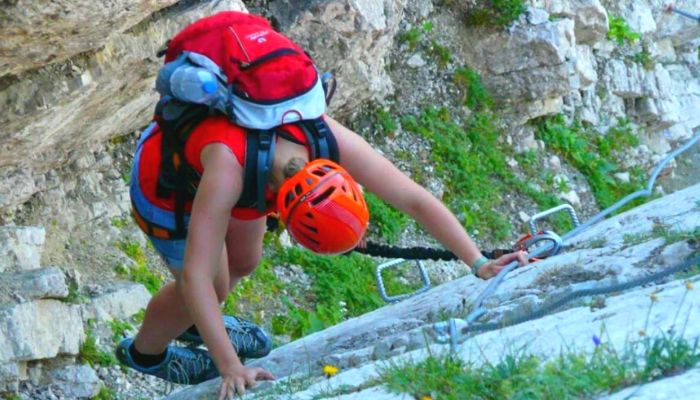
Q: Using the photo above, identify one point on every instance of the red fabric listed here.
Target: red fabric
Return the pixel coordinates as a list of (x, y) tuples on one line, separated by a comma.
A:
[(213, 130), (230, 38)]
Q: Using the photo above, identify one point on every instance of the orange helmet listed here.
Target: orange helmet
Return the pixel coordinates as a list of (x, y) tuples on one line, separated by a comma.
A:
[(323, 208)]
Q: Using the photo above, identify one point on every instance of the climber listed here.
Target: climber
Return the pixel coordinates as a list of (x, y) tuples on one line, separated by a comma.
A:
[(202, 199)]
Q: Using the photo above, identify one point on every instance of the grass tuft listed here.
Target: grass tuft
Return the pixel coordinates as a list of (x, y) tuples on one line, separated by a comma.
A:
[(520, 375)]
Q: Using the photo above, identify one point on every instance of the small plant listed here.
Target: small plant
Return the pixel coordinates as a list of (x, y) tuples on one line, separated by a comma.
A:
[(620, 32), (411, 37), (495, 13), (645, 59), (151, 278), (476, 97), (74, 294), (105, 393), (91, 353), (119, 327), (441, 53), (120, 222)]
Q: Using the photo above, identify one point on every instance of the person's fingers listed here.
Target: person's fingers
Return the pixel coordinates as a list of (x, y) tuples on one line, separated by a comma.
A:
[(510, 257), (263, 374), (240, 386), (223, 390), (523, 257)]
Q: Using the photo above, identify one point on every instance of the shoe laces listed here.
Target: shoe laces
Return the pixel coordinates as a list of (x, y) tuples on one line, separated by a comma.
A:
[(186, 365)]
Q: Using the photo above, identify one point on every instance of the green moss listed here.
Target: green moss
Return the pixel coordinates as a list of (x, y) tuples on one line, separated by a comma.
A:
[(389, 221), (620, 32), (495, 13), (520, 375), (594, 158)]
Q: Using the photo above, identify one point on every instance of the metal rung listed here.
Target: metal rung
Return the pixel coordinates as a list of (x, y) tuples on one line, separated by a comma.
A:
[(395, 263), (551, 211)]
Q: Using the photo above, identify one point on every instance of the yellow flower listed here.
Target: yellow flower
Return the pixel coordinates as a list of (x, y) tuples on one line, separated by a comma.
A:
[(653, 297), (330, 370), (426, 397), (689, 285)]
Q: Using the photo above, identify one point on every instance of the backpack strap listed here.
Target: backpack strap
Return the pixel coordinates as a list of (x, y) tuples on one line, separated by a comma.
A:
[(260, 151), (259, 155), (175, 174), (320, 138)]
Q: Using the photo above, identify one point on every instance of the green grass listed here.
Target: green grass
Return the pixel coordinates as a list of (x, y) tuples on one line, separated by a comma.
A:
[(520, 375), (495, 13), (389, 221), (92, 354), (341, 287), (594, 156), (385, 122), (471, 161), (151, 278), (251, 294), (620, 32)]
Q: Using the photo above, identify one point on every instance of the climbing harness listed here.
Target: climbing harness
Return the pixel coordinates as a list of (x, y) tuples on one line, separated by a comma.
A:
[(683, 13), (450, 331)]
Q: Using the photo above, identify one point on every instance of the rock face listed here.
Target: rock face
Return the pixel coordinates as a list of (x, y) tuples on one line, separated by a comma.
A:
[(352, 38), (36, 34), (360, 345), (59, 111)]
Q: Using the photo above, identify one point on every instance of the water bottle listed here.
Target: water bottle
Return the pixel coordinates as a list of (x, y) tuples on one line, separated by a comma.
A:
[(194, 85)]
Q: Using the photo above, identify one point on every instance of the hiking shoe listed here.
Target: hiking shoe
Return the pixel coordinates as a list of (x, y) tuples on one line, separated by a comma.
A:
[(183, 365), (249, 340)]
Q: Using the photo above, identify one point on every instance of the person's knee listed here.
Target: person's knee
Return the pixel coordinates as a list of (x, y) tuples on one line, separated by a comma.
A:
[(240, 267)]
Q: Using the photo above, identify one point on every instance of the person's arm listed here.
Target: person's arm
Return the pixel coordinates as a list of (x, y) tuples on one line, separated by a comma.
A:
[(380, 176), (218, 191)]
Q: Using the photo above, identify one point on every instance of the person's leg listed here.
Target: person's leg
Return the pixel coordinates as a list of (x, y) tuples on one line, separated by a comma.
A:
[(244, 242), (167, 316)]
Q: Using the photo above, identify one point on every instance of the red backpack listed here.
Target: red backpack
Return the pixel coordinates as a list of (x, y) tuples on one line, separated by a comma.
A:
[(235, 64)]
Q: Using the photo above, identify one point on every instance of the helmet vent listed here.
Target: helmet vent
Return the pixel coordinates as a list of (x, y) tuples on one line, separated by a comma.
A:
[(323, 196), (311, 216), (309, 238), (297, 189), (288, 199), (309, 227), (309, 181), (318, 172)]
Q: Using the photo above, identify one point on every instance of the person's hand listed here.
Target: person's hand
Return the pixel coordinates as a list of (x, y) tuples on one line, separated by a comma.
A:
[(493, 267), (237, 379)]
